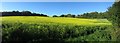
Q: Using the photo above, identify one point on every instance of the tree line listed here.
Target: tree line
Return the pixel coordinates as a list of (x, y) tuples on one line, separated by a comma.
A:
[(28, 13), (23, 13), (85, 15)]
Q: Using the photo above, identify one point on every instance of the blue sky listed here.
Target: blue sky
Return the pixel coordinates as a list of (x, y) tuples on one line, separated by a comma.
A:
[(57, 0), (57, 8)]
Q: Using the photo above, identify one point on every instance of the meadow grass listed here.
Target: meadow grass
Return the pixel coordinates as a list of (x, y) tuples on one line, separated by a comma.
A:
[(74, 21)]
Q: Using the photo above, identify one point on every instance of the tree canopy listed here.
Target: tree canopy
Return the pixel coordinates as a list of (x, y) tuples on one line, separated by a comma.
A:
[(114, 14), (23, 13)]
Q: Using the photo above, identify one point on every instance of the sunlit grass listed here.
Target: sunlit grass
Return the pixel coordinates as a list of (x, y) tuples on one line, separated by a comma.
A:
[(62, 20)]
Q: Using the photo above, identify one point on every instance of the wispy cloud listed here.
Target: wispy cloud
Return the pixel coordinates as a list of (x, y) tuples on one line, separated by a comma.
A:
[(57, 0)]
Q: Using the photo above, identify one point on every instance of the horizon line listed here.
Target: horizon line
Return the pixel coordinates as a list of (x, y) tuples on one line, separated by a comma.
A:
[(53, 14)]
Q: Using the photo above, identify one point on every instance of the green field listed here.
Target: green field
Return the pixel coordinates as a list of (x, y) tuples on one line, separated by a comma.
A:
[(60, 29), (75, 21)]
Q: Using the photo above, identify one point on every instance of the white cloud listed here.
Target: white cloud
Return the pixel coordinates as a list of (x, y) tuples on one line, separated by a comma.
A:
[(57, 0)]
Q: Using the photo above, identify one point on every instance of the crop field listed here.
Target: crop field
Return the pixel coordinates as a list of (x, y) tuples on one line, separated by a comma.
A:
[(75, 21), (51, 29)]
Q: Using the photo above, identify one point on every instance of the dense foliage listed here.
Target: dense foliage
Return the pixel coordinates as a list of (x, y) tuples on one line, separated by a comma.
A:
[(52, 32), (28, 13), (114, 14), (92, 15), (23, 13)]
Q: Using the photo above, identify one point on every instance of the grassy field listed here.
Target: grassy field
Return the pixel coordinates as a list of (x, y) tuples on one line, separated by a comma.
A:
[(75, 21), (51, 29)]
